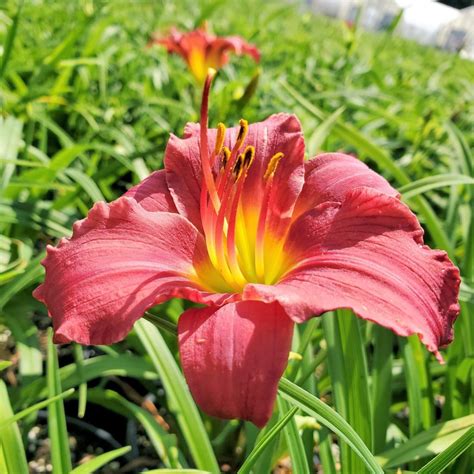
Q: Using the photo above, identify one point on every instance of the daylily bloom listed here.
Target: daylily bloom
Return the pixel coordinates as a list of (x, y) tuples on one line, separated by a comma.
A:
[(240, 222), (202, 50)]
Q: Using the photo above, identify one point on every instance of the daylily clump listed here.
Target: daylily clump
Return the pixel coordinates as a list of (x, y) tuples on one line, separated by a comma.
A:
[(202, 50), (240, 222)]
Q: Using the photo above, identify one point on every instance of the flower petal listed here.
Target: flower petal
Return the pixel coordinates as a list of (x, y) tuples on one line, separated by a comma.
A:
[(367, 254), (218, 49), (153, 193), (120, 261), (278, 133), (172, 42), (183, 175), (329, 176), (234, 356)]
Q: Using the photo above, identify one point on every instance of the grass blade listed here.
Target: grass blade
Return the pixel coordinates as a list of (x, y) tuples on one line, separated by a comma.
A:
[(445, 458), (466, 293), (294, 441), (32, 274), (87, 184), (94, 464), (124, 365), (10, 136), (429, 442), (348, 371), (381, 385), (177, 471), (57, 429), (12, 452), (322, 131), (265, 441), (330, 418), (418, 385), (8, 46), (37, 406), (4, 364), (178, 394), (165, 444), (79, 359), (434, 182)]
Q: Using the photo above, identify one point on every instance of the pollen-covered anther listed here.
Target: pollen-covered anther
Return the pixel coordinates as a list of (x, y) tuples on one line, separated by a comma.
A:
[(220, 138), (225, 156), (238, 167), (272, 165), (249, 155), (242, 135)]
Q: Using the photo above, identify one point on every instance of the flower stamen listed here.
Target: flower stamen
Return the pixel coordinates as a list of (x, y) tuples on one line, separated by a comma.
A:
[(219, 139), (247, 160), (262, 218)]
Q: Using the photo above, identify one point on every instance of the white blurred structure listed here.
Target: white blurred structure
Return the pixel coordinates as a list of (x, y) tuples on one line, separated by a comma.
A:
[(425, 21), (458, 35)]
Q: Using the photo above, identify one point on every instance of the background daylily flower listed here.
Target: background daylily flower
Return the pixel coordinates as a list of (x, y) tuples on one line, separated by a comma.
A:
[(202, 50), (240, 222)]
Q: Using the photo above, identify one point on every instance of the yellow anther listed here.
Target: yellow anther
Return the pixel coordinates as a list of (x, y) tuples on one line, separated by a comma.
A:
[(244, 128), (225, 156), (272, 165), (220, 138), (249, 155), (238, 168)]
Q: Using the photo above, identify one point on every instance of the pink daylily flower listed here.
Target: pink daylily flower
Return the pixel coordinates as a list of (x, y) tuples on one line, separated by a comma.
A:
[(202, 50), (240, 222)]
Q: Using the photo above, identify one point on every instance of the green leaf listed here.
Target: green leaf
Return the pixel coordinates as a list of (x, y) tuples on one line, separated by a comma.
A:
[(429, 442), (32, 274), (349, 378), (434, 182), (8, 44), (57, 429), (4, 364), (36, 215), (418, 385), (37, 406), (12, 452), (26, 337), (250, 90), (165, 444), (86, 183), (177, 471), (124, 365), (466, 293), (381, 385), (14, 257), (178, 395), (64, 48), (322, 131), (265, 441), (10, 136), (330, 418), (463, 152), (445, 458), (161, 323), (94, 464), (294, 441), (79, 358)]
